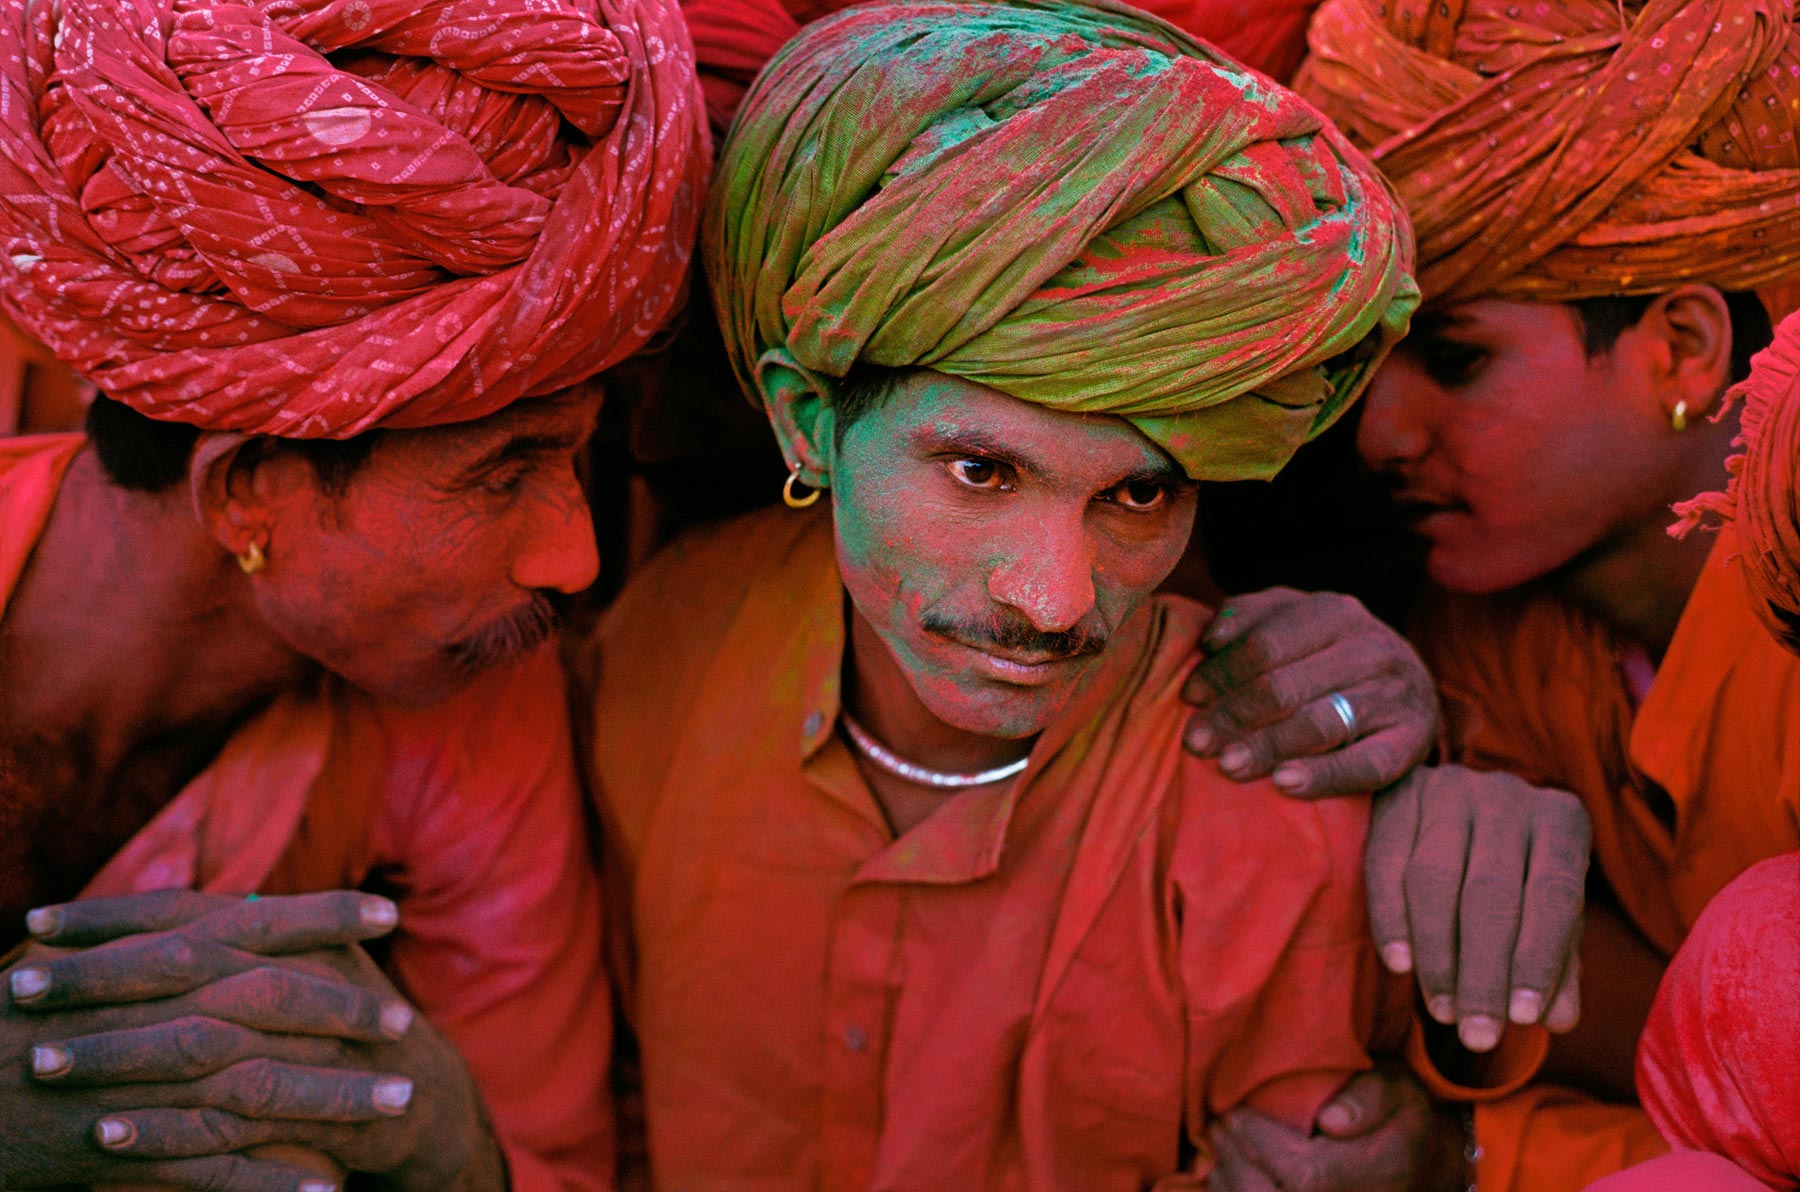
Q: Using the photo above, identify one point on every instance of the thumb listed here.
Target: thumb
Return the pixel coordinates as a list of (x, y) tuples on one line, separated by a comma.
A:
[(1366, 1101)]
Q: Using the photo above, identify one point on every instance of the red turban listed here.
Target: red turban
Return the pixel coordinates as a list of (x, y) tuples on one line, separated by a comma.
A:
[(1558, 151), (1719, 1062), (1763, 496), (309, 217)]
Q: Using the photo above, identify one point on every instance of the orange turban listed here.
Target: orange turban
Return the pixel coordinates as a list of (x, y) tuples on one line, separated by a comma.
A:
[(310, 217), (1763, 496), (1558, 151)]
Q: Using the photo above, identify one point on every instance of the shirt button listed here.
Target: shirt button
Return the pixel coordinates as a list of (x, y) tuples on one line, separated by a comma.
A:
[(856, 1039), (814, 723)]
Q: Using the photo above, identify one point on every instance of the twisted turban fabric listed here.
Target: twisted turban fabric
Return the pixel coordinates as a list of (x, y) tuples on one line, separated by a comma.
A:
[(1719, 1064), (308, 217), (1567, 150), (1763, 496), (1073, 204)]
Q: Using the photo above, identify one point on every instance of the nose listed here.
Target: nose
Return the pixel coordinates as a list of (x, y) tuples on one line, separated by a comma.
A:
[(1393, 431), (1048, 578), (559, 552)]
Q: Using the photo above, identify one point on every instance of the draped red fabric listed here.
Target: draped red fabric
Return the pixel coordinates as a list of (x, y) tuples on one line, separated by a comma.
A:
[(1719, 1064), (1763, 495), (310, 217)]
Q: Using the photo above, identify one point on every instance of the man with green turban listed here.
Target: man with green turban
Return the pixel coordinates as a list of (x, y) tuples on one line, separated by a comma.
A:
[(920, 888)]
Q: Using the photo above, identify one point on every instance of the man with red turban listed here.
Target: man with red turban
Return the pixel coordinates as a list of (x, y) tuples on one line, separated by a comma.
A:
[(1598, 191), (275, 625)]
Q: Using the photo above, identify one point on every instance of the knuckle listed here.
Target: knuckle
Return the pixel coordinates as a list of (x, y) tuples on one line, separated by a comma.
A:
[(173, 957), (190, 1042), (255, 1086), (215, 1130)]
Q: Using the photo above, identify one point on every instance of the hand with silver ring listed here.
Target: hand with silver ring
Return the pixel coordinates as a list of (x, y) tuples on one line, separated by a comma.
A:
[(1313, 689)]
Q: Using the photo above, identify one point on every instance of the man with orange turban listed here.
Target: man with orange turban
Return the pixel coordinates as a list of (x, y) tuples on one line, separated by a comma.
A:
[(340, 269), (1598, 192), (923, 890)]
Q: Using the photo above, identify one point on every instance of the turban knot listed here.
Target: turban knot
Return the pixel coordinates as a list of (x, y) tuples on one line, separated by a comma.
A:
[(309, 217), (1077, 205), (1559, 151), (1763, 495)]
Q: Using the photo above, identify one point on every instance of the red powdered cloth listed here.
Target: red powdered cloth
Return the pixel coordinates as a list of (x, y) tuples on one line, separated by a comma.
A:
[(1719, 1064), (309, 217), (1763, 495), (1684, 1171), (1557, 151)]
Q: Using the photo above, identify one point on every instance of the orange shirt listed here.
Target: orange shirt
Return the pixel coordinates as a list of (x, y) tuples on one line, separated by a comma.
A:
[(1685, 791), (1054, 985), (478, 833)]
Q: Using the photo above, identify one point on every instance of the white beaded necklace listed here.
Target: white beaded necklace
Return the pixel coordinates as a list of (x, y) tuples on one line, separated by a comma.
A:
[(885, 759)]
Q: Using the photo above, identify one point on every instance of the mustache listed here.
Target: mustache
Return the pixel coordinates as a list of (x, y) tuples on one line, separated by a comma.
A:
[(523, 629), (1011, 632)]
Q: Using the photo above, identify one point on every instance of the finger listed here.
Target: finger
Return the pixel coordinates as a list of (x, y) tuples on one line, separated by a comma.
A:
[(271, 998), (279, 926), (1293, 1159), (183, 1049), (97, 920), (1365, 1103), (1315, 727), (1241, 614), (1378, 760), (1393, 832), (1235, 1171), (134, 969), (1565, 1007), (1488, 931), (1550, 919), (220, 1173), (263, 1088), (1433, 884), (1358, 669)]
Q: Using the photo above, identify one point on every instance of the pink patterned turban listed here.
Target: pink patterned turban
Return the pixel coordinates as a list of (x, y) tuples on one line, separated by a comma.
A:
[(310, 217)]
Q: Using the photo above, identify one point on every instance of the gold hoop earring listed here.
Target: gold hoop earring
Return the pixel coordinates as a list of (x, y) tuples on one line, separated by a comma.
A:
[(252, 560), (1678, 417), (787, 492)]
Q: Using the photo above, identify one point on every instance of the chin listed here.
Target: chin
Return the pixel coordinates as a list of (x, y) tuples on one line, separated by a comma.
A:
[(1480, 572), (995, 710)]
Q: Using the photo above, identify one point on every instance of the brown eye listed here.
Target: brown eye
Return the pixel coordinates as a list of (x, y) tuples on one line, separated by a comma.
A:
[(978, 473), (1141, 496)]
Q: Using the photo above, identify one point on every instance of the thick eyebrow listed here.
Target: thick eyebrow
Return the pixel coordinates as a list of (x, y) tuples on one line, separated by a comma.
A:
[(1431, 324), (520, 448)]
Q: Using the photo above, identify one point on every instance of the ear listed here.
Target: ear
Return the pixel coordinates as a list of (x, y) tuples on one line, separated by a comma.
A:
[(1689, 339), (222, 482), (798, 402)]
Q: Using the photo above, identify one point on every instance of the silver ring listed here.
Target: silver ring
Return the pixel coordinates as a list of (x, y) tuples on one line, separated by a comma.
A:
[(1346, 713)]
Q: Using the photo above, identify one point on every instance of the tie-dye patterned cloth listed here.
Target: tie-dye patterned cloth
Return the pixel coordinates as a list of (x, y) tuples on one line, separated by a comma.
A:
[(1568, 150), (1074, 204), (309, 217)]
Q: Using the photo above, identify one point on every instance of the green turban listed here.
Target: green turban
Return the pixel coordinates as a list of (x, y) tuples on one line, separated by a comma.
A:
[(1075, 204)]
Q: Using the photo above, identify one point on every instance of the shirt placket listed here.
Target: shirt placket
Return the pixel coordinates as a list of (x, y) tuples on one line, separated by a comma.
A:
[(860, 983)]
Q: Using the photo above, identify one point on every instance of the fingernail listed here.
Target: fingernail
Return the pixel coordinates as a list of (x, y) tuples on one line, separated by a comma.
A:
[(392, 1094), (48, 1059), (43, 920), (1442, 1008), (379, 914), (1397, 956), (317, 1186), (1234, 759), (114, 1132), (1290, 778), (1200, 740), (1479, 1032), (396, 1019), (29, 984), (1336, 1118), (1526, 1006)]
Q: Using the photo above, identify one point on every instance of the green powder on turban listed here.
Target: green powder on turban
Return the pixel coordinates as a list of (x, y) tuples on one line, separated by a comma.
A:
[(1075, 204)]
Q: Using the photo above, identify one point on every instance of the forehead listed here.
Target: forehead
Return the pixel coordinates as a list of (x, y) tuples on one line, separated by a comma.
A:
[(1496, 317), (927, 412), (568, 414)]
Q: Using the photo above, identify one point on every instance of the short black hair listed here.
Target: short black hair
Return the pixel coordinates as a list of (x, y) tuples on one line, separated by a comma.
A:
[(148, 455), (1604, 319), (864, 388)]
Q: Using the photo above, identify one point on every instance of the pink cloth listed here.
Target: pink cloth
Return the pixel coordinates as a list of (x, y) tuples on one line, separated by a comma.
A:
[(1683, 1171), (310, 217), (1719, 1062)]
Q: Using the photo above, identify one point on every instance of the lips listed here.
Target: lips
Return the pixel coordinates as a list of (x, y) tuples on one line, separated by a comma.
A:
[(1019, 668)]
